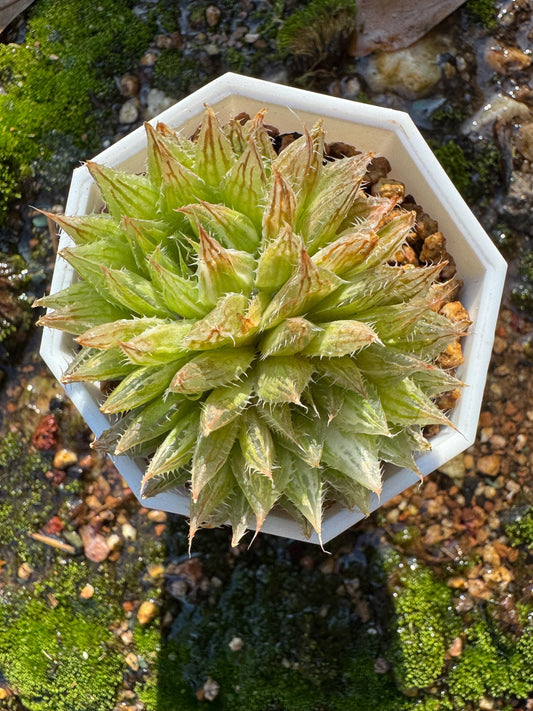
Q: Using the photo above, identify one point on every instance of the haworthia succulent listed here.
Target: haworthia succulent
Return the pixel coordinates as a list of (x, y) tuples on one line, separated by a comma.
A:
[(264, 340)]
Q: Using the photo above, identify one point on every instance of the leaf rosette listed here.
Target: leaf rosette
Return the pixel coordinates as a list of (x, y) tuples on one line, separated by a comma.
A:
[(265, 346)]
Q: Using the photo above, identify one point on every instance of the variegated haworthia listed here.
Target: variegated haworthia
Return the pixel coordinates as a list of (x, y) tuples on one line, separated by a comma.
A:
[(269, 349)]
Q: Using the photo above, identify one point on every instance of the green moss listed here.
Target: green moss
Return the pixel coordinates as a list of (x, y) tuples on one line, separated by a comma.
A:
[(493, 664), (453, 160), (318, 29), (424, 625), (474, 169), (25, 499), (58, 661), (61, 80), (164, 689), (484, 12), (521, 531), (177, 74)]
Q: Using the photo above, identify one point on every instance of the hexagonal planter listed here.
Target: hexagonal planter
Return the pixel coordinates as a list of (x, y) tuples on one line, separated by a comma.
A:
[(370, 128)]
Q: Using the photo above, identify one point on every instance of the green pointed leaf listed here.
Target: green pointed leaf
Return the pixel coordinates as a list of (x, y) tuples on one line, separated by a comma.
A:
[(335, 193), (391, 237), (370, 210), (289, 337), (363, 414), (430, 336), (134, 292), (152, 421), (140, 386), (256, 131), (363, 292), (300, 163), (405, 404), (278, 419), (342, 372), (256, 444), (162, 141), (340, 338), (84, 229), (161, 344), (224, 405), (307, 286), (179, 294), (212, 501), (355, 455), (164, 482), (212, 370), (280, 209), (282, 378), (77, 309), (240, 515), (259, 491), (179, 186), (222, 326), (221, 270), (92, 365), (305, 490), (210, 455), (176, 450), (214, 152), (88, 259), (124, 193), (144, 235), (279, 258), (398, 450), (109, 335), (245, 184), (346, 252), (349, 491), (231, 228)]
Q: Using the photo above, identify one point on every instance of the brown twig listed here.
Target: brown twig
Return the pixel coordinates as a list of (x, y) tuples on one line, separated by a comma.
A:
[(50, 541)]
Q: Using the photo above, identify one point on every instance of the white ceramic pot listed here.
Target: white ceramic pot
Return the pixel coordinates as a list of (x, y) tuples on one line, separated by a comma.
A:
[(370, 128)]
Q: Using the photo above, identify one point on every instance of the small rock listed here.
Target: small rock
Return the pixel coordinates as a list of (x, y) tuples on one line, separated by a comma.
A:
[(381, 665), (411, 72), (156, 516), (129, 85), (87, 592), (524, 141), (156, 102), (114, 542), (127, 637), (149, 59), (147, 612), (499, 106), (94, 544), (251, 37), (132, 661), (212, 15), (24, 572), (489, 464), (352, 88), (456, 647), (64, 458), (507, 60), (129, 112), (519, 196), (129, 532), (236, 644), (155, 570), (46, 435), (478, 589), (212, 49), (211, 689)]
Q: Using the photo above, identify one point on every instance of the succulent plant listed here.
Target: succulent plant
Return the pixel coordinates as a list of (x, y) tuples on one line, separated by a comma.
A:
[(259, 340)]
